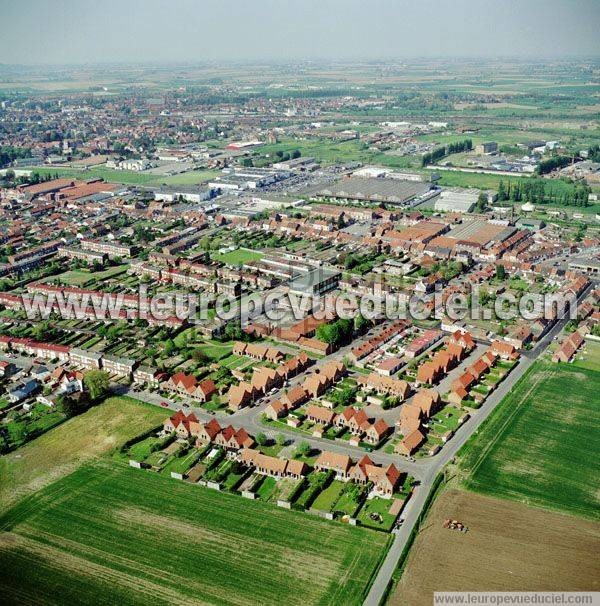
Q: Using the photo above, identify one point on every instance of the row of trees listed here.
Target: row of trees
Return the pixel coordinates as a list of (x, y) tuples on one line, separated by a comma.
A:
[(342, 331), (553, 163), (594, 153), (539, 191), (452, 148), (8, 153)]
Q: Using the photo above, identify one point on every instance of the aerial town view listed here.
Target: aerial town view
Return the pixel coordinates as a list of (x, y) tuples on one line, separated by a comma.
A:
[(299, 302)]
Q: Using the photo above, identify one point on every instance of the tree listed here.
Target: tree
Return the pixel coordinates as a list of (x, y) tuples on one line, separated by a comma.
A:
[(328, 333), (280, 439), (481, 204), (344, 396), (199, 356), (42, 331), (233, 332), (169, 347), (113, 332), (97, 383), (68, 406), (261, 439), (500, 272), (502, 194), (361, 324), (17, 432), (303, 449), (336, 333)]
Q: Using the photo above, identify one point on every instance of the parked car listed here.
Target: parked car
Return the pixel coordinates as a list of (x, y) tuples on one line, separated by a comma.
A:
[(164, 404)]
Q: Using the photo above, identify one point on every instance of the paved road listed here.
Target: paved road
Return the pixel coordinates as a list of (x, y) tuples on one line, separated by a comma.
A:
[(437, 463)]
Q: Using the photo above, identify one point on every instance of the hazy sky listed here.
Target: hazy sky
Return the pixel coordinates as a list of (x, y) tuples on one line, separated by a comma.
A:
[(81, 31)]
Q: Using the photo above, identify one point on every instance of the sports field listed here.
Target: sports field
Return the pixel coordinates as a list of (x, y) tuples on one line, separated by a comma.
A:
[(109, 534), (238, 257), (79, 440), (540, 446)]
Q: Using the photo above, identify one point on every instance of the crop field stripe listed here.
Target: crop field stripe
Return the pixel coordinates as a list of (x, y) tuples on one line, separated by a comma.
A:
[(505, 426), (141, 534), (538, 446)]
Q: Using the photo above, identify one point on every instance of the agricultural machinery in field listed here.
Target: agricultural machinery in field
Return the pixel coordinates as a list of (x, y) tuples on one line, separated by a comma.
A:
[(454, 525)]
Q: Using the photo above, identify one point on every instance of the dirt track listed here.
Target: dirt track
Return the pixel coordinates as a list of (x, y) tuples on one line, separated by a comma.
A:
[(508, 547)]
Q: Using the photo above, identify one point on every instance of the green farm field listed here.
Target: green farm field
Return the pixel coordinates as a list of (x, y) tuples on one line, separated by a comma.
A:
[(128, 177), (109, 534), (75, 442), (539, 446)]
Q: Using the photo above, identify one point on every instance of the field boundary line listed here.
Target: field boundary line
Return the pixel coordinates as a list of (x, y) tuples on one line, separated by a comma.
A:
[(506, 423)]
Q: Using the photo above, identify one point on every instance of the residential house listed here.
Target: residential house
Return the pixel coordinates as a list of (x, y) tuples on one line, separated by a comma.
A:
[(180, 424), (408, 445), (464, 339), (568, 348), (504, 350), (385, 385), (115, 365), (240, 395), (339, 463), (234, 440), (7, 368), (23, 391), (273, 466), (207, 432), (384, 479), (276, 410), (294, 397), (145, 374), (87, 359), (427, 401), (376, 432), (189, 386), (318, 414)]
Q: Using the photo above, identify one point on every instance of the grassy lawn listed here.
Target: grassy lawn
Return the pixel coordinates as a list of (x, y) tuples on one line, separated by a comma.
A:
[(588, 357), (538, 446), (234, 477), (192, 177), (109, 534), (237, 257), (327, 499), (446, 420), (141, 450), (217, 351), (379, 509), (76, 441), (183, 463), (349, 500), (81, 278), (232, 361), (314, 480), (266, 489)]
